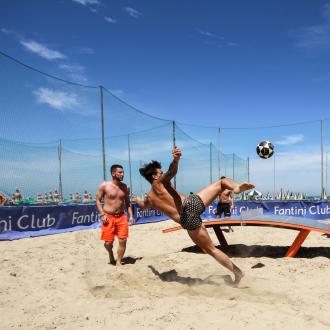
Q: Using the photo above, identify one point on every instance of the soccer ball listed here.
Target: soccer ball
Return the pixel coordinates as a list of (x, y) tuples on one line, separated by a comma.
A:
[(265, 149)]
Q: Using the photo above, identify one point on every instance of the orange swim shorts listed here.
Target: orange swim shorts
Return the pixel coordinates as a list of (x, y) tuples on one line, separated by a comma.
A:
[(117, 225)]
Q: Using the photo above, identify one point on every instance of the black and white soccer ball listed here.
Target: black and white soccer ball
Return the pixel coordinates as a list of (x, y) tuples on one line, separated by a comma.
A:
[(265, 149)]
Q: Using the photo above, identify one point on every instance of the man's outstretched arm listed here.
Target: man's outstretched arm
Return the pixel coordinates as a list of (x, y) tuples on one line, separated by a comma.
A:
[(142, 204), (173, 168)]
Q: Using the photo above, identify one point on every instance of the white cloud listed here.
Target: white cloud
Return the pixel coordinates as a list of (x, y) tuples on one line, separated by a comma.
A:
[(41, 50), (75, 72), (56, 99), (291, 139), (117, 91), (87, 2), (6, 31), (315, 36), (110, 20), (326, 12), (132, 12), (209, 34), (206, 33), (299, 172), (210, 38)]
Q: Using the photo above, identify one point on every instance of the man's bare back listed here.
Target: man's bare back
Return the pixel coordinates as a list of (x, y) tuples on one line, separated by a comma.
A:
[(166, 199)]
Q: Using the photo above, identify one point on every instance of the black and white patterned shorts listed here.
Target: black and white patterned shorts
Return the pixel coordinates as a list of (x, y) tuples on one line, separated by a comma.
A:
[(192, 208)]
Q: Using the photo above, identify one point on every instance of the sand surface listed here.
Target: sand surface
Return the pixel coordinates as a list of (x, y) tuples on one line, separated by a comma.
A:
[(65, 282)]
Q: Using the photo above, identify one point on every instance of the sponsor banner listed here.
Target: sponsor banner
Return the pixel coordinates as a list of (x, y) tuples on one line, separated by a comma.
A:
[(28, 221), (147, 215), (313, 210)]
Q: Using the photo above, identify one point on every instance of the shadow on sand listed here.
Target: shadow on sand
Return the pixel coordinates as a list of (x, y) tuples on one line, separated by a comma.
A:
[(172, 276), (130, 260), (257, 251)]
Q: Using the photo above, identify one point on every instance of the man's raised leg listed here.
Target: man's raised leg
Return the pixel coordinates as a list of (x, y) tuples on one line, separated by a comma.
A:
[(201, 238), (209, 194)]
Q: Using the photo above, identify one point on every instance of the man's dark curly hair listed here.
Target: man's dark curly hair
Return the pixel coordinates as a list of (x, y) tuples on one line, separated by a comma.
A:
[(148, 170)]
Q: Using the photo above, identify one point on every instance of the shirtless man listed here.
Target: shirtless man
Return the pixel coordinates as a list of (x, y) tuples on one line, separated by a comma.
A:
[(114, 220), (17, 196), (3, 199), (187, 210), (226, 204)]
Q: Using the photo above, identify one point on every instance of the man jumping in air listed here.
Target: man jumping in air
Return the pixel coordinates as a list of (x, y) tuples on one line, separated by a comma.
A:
[(187, 210)]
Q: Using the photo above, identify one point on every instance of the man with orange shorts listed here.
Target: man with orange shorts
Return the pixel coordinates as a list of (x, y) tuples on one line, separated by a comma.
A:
[(114, 220)]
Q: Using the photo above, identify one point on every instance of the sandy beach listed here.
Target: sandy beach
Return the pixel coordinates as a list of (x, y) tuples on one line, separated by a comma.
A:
[(65, 282)]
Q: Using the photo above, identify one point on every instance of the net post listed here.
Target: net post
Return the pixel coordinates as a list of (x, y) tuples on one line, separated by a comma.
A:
[(233, 166), (174, 144), (219, 152), (274, 177), (210, 162), (141, 190), (129, 163), (59, 153), (102, 131), (321, 131)]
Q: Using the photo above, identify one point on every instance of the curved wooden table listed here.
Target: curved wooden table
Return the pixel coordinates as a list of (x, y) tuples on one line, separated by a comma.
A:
[(303, 225)]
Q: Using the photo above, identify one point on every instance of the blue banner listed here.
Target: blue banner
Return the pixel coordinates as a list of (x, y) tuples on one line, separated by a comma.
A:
[(28, 221), (317, 210)]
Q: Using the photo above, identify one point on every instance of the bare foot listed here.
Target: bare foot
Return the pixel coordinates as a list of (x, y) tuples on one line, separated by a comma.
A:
[(242, 187), (238, 276), (112, 262), (119, 264)]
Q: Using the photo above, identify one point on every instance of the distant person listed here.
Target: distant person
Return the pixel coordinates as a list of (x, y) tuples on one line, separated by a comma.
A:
[(114, 221), (3, 199), (39, 199), (225, 204), (187, 210), (77, 197), (85, 197), (71, 200), (17, 196), (56, 196)]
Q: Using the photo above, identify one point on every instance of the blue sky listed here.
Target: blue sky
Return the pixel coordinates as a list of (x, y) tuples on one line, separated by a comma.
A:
[(212, 63)]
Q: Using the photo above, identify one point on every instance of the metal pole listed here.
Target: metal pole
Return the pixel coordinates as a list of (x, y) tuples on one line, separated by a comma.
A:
[(129, 163), (174, 145), (141, 190), (234, 166), (322, 187), (210, 162), (59, 151), (219, 153), (248, 169), (326, 173), (102, 128), (274, 179)]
